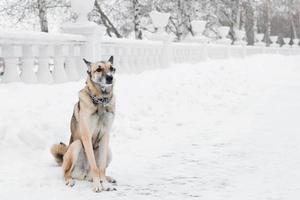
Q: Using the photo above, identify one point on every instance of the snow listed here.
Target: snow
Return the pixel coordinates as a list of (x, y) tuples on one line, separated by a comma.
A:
[(8, 37), (225, 129)]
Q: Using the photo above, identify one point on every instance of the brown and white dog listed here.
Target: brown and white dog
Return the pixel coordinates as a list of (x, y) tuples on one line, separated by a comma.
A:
[(88, 154)]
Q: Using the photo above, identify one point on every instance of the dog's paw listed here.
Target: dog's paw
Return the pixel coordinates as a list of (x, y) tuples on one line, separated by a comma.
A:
[(106, 186), (111, 180), (70, 182), (97, 186)]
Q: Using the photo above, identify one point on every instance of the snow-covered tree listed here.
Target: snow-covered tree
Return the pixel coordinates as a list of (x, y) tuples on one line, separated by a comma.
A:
[(20, 11), (130, 18)]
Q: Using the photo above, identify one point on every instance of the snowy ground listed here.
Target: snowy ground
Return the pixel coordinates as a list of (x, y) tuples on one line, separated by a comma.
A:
[(215, 130)]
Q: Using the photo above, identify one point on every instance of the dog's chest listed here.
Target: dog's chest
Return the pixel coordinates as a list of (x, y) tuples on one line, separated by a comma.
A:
[(101, 123)]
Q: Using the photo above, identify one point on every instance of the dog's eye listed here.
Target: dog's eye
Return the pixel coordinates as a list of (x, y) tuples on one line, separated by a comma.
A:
[(112, 69), (98, 69)]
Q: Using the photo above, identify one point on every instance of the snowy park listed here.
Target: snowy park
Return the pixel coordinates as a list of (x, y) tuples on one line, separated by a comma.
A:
[(207, 97)]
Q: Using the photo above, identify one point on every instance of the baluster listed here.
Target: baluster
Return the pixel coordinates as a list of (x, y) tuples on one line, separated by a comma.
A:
[(144, 57), (110, 52), (162, 57), (133, 58), (59, 74), (175, 54), (197, 54), (193, 53), (138, 56), (117, 57), (181, 54), (11, 54), (80, 65), (148, 57), (43, 74), (121, 64), (151, 59), (28, 63), (71, 63), (104, 51), (130, 59)]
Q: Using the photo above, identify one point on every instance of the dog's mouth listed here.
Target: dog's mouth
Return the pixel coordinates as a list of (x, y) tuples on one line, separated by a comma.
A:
[(105, 88)]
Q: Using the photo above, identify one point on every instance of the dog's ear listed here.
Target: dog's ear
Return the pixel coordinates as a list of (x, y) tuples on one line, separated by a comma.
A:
[(111, 60), (88, 64)]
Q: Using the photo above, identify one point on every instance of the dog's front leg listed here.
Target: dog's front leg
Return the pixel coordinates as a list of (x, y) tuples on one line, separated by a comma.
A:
[(86, 138), (103, 155)]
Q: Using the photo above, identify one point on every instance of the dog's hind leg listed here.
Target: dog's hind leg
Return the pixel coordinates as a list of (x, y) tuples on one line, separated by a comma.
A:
[(69, 161)]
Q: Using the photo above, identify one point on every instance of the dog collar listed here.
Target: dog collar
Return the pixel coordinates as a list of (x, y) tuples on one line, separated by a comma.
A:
[(100, 100)]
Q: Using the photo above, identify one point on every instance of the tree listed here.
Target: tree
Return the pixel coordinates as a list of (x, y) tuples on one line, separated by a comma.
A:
[(249, 21), (182, 12), (122, 17), (268, 24), (137, 19), (21, 10)]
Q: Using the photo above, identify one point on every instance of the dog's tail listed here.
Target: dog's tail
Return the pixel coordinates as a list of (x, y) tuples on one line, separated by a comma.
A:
[(58, 151)]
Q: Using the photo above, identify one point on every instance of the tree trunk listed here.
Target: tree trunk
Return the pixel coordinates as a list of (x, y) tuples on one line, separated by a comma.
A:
[(249, 22), (291, 4), (238, 15), (42, 12), (268, 25), (136, 20), (293, 27)]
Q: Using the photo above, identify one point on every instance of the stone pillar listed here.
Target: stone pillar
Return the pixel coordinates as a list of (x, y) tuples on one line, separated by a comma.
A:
[(92, 31), (71, 63), (59, 73), (28, 60), (11, 55), (43, 74), (91, 50)]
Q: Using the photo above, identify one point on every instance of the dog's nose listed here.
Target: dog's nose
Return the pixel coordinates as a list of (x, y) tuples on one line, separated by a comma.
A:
[(109, 79)]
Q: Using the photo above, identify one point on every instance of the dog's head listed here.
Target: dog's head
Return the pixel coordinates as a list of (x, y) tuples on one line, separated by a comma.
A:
[(102, 73)]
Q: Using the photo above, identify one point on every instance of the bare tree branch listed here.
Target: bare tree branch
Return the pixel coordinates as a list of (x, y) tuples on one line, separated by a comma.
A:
[(109, 25)]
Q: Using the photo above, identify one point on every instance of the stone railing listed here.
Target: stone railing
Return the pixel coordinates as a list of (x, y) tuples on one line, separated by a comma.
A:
[(40, 57), (133, 55), (56, 58)]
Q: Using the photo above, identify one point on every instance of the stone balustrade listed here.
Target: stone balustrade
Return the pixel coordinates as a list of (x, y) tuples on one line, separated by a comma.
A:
[(133, 55), (57, 58), (34, 57)]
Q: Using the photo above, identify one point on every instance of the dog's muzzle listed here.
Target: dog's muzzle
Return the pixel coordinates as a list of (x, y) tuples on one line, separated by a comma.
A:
[(105, 88)]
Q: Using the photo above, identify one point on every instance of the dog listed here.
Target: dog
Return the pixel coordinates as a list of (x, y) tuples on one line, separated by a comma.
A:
[(88, 154)]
